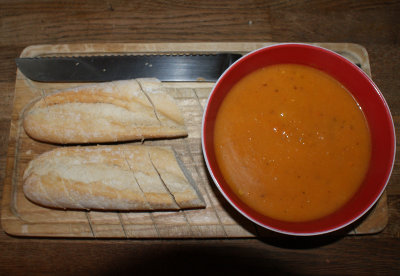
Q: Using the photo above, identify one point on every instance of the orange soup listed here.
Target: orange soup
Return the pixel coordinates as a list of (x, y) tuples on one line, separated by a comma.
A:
[(291, 142)]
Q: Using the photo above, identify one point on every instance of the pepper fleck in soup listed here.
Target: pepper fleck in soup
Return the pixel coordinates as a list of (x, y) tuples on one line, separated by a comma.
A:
[(291, 142)]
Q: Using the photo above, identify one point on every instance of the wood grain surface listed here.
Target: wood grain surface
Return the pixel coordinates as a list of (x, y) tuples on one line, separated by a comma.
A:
[(373, 24)]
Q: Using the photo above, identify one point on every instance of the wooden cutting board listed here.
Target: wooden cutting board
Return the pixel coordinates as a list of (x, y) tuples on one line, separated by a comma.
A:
[(20, 217)]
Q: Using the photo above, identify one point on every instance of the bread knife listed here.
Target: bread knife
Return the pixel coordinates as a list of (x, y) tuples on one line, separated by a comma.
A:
[(168, 67)]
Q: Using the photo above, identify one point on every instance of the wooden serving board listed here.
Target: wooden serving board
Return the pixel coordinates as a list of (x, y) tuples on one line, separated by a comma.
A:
[(218, 220)]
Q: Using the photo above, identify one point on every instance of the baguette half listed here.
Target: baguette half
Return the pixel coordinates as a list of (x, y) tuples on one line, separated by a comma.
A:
[(106, 112), (126, 178)]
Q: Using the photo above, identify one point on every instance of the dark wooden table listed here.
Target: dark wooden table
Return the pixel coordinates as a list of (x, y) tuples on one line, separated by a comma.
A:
[(373, 24)]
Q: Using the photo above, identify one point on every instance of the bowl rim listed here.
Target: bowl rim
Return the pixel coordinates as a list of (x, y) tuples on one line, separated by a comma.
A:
[(276, 229)]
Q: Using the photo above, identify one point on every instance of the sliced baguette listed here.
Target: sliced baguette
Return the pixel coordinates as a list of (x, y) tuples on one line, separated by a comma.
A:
[(123, 177), (106, 112)]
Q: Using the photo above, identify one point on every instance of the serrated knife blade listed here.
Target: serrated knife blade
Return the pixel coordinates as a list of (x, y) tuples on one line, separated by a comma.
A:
[(196, 67)]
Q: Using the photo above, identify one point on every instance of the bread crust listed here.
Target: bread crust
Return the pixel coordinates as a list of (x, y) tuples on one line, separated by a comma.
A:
[(106, 112), (120, 177)]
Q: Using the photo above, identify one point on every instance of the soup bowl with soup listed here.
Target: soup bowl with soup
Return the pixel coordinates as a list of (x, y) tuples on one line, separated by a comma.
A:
[(298, 139)]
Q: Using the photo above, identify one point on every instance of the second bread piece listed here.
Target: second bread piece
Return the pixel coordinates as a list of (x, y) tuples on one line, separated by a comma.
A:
[(110, 178), (106, 112)]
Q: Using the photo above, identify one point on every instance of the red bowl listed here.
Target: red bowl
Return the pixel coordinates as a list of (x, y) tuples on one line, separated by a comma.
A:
[(366, 94)]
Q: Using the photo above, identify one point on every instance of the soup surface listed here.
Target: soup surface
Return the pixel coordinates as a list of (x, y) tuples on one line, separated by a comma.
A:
[(291, 142)]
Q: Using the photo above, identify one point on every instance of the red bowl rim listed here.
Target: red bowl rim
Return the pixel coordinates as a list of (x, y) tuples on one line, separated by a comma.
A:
[(228, 197)]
